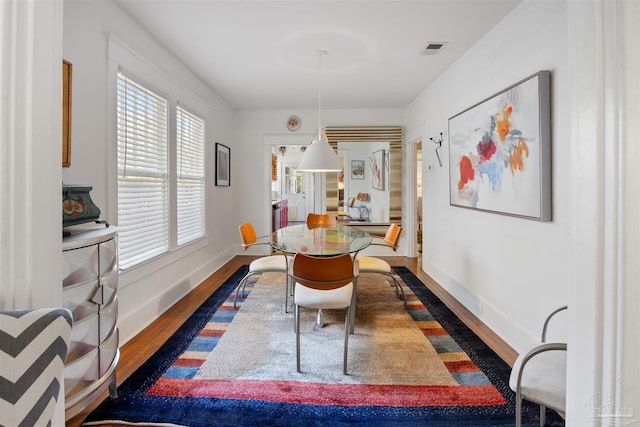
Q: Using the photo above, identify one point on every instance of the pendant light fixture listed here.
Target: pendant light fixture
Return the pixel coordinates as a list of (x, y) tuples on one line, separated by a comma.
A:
[(319, 156)]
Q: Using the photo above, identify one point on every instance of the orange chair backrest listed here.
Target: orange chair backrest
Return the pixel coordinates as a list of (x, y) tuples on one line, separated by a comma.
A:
[(248, 235), (352, 201), (337, 270), (392, 236), (321, 219), (363, 197)]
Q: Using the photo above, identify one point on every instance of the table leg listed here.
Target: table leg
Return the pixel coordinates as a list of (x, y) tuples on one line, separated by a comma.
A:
[(320, 319)]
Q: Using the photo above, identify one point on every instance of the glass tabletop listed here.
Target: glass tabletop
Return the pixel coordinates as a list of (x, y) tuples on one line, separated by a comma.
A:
[(318, 241)]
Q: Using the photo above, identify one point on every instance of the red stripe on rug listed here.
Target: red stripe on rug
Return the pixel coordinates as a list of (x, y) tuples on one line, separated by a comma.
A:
[(190, 363), (430, 332), (462, 366), (211, 333), (330, 394)]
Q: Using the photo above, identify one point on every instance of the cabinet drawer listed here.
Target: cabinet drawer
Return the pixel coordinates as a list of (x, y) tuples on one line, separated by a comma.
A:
[(108, 351), (108, 319), (108, 256), (77, 299), (84, 337), (80, 265), (80, 373)]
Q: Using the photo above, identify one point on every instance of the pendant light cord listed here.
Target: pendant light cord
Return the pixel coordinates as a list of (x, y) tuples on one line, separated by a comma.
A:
[(321, 53)]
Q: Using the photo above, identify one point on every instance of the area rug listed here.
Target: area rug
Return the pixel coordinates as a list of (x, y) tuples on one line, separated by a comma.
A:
[(226, 367)]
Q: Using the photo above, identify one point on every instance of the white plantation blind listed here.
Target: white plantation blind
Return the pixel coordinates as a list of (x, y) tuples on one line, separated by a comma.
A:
[(190, 179), (143, 190)]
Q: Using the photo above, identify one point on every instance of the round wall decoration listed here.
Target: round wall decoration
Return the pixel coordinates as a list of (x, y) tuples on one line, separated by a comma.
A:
[(293, 124)]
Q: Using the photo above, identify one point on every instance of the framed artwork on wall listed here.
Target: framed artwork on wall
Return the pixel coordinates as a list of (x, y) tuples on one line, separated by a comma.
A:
[(67, 68), (378, 170), (500, 152), (357, 169), (223, 165)]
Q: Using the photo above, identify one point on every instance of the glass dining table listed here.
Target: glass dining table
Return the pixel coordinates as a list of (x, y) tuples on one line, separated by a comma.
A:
[(322, 241)]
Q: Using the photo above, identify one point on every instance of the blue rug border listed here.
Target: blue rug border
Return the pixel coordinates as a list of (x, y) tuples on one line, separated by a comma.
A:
[(133, 405)]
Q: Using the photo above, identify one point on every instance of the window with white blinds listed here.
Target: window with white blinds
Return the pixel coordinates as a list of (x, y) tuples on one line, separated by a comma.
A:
[(190, 177), (143, 187)]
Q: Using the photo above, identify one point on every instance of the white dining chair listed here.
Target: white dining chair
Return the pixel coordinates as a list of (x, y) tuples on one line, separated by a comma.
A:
[(274, 263), (539, 375), (324, 283), (369, 264)]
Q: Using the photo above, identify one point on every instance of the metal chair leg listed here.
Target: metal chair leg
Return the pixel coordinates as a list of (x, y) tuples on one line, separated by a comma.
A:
[(297, 327), (347, 330), (286, 294), (399, 288), (243, 284), (518, 409)]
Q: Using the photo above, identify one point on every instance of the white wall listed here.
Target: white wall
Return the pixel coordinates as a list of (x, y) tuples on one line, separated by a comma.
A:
[(89, 31), (509, 272), (30, 158)]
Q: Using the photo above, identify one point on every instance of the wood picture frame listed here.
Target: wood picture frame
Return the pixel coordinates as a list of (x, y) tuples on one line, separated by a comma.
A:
[(67, 74), (223, 165)]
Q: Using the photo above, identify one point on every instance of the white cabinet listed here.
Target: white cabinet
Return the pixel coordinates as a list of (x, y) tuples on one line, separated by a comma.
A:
[(90, 284)]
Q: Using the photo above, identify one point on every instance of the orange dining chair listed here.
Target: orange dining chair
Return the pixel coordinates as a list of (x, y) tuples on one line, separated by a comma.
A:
[(321, 220), (273, 263), (324, 283), (369, 264)]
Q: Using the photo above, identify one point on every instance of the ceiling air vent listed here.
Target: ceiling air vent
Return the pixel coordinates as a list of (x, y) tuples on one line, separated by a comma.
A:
[(433, 48)]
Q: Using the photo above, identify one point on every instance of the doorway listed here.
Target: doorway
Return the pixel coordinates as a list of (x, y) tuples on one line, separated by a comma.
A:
[(419, 195), (289, 186)]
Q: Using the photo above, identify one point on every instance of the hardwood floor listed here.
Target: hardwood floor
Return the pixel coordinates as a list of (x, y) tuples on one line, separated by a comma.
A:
[(140, 348)]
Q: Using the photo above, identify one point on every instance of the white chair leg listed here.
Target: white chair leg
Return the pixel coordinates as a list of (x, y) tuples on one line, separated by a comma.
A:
[(543, 415)]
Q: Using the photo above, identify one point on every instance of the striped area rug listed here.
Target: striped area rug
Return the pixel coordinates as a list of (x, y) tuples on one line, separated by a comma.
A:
[(237, 367)]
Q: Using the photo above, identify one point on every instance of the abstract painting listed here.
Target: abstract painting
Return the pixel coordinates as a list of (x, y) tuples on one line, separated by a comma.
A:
[(377, 170), (499, 152)]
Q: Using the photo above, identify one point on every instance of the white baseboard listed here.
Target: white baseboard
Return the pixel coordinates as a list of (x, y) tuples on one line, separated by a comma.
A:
[(514, 334), (149, 307)]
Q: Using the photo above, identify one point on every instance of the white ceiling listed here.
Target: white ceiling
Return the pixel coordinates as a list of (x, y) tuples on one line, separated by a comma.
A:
[(263, 54)]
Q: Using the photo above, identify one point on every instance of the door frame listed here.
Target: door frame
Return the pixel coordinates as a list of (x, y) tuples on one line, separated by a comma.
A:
[(270, 141)]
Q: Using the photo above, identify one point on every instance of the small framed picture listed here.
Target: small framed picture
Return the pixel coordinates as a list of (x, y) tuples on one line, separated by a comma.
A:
[(357, 169), (223, 165)]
